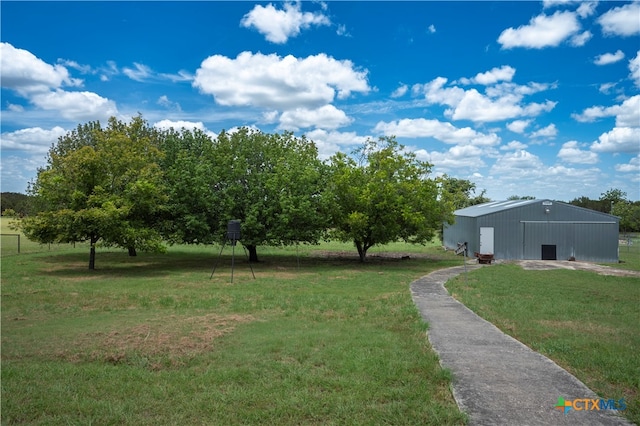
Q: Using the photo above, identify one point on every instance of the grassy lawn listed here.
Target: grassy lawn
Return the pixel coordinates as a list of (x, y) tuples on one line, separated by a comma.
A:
[(9, 242), (316, 338), (587, 323), (153, 340), (629, 253)]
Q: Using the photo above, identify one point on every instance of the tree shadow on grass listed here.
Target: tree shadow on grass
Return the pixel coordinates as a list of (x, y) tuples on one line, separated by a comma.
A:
[(111, 264)]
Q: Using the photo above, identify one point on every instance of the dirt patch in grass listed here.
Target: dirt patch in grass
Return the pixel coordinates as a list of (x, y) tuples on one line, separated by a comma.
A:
[(167, 341)]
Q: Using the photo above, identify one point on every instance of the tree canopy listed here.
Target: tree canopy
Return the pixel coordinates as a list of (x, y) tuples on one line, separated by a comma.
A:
[(100, 184), (383, 194), (460, 192), (193, 210), (133, 186), (273, 184)]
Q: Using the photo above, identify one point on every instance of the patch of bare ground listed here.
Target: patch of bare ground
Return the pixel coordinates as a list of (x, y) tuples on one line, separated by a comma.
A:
[(162, 341), (71, 267)]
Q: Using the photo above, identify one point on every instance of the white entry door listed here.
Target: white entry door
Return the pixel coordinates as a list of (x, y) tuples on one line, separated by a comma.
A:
[(486, 240)]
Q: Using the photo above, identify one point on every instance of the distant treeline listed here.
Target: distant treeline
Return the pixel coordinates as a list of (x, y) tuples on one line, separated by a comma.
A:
[(15, 204), (604, 206), (614, 202)]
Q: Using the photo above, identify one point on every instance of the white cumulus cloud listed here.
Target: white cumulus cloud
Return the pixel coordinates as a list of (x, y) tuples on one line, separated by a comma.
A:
[(571, 153), (76, 106), (23, 72), (609, 58), (278, 25), (34, 140), (581, 39), (274, 82), (480, 108), (634, 68), (549, 131), (493, 76), (502, 101), (442, 131), (627, 114), (619, 139), (517, 161), (542, 31), (518, 126), (42, 84), (621, 21), (633, 166), (513, 146), (400, 91), (325, 117), (454, 159)]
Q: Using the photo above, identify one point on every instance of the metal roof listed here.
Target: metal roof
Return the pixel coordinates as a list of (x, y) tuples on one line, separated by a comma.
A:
[(494, 206)]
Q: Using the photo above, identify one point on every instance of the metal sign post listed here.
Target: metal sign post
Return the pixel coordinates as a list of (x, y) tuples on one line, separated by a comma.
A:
[(462, 248)]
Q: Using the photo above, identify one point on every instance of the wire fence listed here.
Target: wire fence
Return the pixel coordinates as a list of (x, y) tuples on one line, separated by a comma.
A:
[(14, 244), (629, 243), (18, 236)]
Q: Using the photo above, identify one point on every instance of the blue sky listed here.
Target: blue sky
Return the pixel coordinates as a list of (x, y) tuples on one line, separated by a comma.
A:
[(521, 98)]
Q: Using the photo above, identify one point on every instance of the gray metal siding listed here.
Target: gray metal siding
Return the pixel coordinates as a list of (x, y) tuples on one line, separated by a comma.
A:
[(507, 233), (521, 229), (459, 232), (597, 242), (588, 241), (537, 234)]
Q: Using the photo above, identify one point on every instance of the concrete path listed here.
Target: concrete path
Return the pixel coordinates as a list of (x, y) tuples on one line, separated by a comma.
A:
[(496, 379)]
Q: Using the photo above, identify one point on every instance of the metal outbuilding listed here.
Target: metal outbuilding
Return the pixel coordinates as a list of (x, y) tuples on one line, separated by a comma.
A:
[(535, 229)]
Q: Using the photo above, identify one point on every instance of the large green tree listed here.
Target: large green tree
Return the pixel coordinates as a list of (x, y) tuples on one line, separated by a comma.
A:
[(383, 194), (194, 208), (629, 213), (612, 197), (273, 184), (460, 192), (101, 184)]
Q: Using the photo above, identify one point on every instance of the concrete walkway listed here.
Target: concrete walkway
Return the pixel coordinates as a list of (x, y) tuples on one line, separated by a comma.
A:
[(496, 379)]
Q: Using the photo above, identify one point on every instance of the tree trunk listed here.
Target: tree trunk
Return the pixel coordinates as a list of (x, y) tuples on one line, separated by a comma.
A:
[(362, 252), (132, 252), (253, 253), (92, 253)]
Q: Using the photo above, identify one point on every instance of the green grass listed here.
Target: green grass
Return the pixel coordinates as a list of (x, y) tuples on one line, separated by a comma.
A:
[(153, 340), (314, 339), (629, 253), (586, 323), (9, 242)]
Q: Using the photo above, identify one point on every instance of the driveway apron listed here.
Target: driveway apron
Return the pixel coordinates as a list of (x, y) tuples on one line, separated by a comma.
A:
[(496, 379)]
